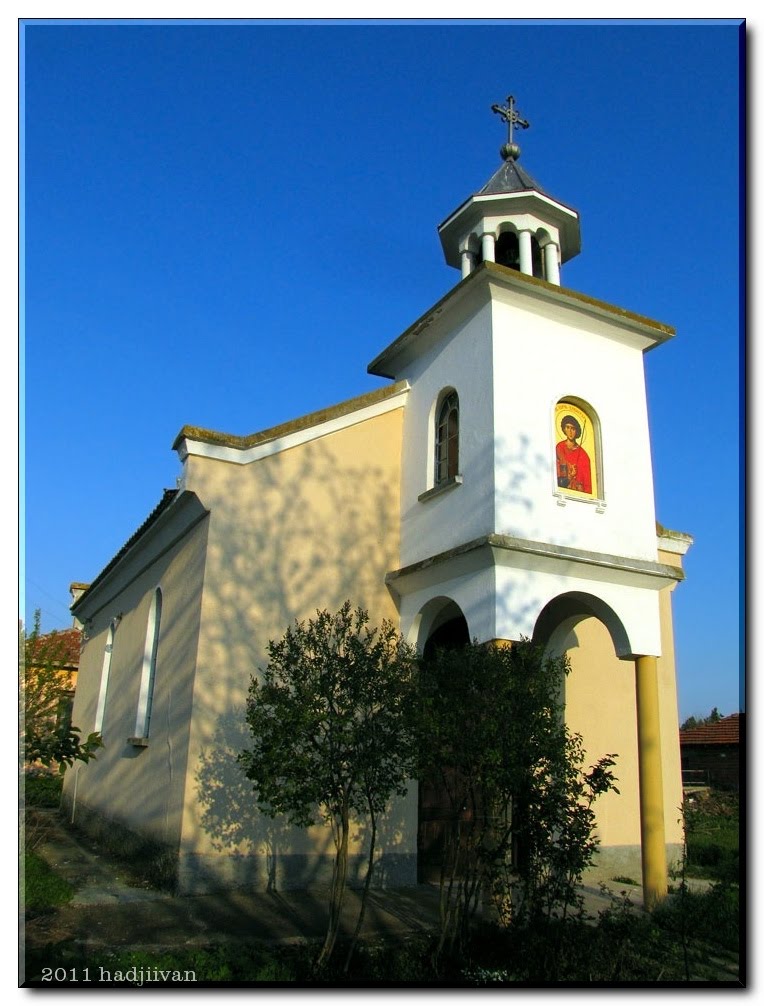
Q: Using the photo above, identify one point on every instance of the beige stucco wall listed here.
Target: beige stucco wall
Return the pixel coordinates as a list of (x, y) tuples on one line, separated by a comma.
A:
[(669, 711), (141, 788), (601, 705), (307, 528)]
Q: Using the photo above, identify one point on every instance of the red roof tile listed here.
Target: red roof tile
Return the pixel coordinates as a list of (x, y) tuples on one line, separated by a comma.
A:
[(62, 647), (725, 731)]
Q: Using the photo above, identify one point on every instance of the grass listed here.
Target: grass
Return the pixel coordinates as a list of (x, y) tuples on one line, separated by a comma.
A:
[(713, 837), (42, 888)]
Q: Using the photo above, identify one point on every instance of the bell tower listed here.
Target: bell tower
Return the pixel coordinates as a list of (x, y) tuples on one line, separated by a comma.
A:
[(527, 503), (512, 221)]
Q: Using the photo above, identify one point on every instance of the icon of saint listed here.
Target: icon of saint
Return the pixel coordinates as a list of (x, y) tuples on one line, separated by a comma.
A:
[(574, 469)]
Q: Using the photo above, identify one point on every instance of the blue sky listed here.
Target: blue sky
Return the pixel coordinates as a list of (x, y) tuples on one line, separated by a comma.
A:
[(222, 224)]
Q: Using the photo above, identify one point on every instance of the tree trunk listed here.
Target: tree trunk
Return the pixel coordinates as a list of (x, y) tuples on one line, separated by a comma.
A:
[(338, 887), (366, 886)]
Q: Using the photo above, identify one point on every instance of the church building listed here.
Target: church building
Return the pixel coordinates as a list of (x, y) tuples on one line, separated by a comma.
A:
[(500, 486)]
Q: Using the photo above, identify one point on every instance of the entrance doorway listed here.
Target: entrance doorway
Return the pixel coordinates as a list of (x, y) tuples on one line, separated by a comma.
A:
[(435, 815)]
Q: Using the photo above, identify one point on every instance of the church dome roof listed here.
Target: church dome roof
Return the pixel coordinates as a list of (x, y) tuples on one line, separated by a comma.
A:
[(510, 177)]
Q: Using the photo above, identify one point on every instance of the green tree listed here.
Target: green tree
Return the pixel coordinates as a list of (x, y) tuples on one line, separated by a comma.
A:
[(47, 736), (701, 721), (330, 731), (521, 824)]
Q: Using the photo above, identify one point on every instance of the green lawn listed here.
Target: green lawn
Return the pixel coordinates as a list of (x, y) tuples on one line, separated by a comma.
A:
[(42, 888)]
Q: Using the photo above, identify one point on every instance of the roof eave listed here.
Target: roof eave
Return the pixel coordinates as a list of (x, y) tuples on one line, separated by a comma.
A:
[(651, 332)]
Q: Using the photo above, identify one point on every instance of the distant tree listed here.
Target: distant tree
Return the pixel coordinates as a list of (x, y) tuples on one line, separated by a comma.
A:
[(47, 735), (330, 733), (701, 721)]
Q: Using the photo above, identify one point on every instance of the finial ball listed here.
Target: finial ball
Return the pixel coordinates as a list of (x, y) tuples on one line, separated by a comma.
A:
[(509, 151)]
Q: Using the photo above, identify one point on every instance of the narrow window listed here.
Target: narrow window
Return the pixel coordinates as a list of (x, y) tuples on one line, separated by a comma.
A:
[(447, 440), (146, 697), (105, 669)]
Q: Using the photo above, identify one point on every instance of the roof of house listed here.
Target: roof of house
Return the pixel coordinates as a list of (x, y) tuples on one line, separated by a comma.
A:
[(61, 647), (724, 731)]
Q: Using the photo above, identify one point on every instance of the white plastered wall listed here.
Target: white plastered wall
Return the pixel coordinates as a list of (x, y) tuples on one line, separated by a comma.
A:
[(542, 353), (459, 361)]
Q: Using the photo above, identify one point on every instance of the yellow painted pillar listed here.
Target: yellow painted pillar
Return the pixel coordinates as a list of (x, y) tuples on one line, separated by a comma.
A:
[(654, 871)]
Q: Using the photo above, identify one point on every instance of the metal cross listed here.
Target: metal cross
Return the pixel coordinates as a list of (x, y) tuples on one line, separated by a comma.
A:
[(510, 116)]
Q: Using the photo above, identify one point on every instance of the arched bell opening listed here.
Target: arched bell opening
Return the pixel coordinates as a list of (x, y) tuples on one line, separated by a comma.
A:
[(507, 253), (508, 250), (537, 259)]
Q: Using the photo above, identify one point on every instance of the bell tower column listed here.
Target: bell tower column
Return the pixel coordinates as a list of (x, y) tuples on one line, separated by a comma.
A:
[(654, 870), (526, 253), (489, 247), (551, 263)]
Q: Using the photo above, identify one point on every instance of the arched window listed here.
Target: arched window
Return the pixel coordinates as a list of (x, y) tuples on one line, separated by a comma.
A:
[(148, 674), (447, 439), (105, 669), (577, 452)]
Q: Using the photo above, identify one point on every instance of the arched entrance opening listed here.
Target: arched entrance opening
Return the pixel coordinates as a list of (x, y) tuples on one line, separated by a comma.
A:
[(563, 613), (600, 705), (445, 628)]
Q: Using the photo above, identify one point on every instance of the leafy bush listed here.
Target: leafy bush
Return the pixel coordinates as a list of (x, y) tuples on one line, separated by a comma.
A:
[(42, 789), (47, 735), (331, 735), (712, 915), (519, 821)]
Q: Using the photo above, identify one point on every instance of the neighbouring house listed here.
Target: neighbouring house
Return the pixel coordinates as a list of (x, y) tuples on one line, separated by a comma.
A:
[(498, 486), (59, 650), (711, 753)]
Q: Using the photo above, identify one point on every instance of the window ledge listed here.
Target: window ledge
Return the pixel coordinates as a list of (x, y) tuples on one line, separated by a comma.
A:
[(138, 742), (442, 487), (564, 498)]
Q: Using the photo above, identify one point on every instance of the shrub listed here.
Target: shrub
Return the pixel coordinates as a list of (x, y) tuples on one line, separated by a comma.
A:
[(712, 915), (42, 789)]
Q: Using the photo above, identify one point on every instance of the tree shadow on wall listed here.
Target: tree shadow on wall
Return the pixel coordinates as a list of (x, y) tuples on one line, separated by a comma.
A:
[(289, 534), (299, 531), (229, 815)]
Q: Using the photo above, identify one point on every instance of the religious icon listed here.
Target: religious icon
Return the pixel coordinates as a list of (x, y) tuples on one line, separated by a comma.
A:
[(575, 453)]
